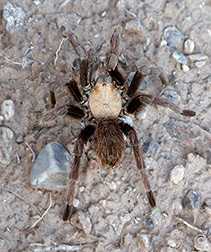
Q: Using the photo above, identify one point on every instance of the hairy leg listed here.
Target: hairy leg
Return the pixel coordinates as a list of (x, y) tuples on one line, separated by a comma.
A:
[(74, 90), (141, 74), (132, 136), (112, 59), (136, 81), (140, 101), (50, 116), (78, 151)]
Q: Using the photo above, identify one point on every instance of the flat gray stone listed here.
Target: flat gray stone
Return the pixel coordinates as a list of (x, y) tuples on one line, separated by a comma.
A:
[(52, 168), (179, 57), (173, 37), (191, 200)]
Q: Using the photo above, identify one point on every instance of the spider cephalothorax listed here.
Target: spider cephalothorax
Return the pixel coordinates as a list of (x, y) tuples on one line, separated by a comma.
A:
[(104, 96)]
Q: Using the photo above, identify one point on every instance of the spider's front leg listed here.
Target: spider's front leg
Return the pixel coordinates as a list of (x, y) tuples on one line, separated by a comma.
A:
[(112, 59), (141, 74), (88, 60), (131, 134), (85, 134)]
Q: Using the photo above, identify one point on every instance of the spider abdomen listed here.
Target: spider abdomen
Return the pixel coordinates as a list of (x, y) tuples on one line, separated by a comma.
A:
[(109, 143)]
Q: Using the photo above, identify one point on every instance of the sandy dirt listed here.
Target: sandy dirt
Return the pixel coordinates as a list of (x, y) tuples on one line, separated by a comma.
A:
[(113, 212)]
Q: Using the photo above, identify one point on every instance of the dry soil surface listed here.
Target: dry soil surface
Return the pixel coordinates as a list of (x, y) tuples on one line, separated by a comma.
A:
[(112, 210)]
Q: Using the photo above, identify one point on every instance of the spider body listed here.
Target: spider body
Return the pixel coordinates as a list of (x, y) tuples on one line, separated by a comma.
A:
[(108, 98), (105, 101)]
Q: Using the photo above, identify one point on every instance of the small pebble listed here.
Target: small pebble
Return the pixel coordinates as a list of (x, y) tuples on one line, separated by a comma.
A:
[(133, 26), (185, 68), (188, 46), (13, 17), (197, 57), (176, 207), (155, 214), (150, 148), (200, 64), (177, 174), (6, 145), (19, 139), (173, 37), (191, 200), (8, 109), (179, 57), (149, 224), (52, 168), (171, 243), (17, 219), (142, 115), (171, 95), (37, 2), (82, 188), (163, 154), (112, 186), (76, 202)]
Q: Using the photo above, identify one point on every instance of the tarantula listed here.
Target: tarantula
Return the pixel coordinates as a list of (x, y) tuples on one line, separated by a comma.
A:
[(104, 100)]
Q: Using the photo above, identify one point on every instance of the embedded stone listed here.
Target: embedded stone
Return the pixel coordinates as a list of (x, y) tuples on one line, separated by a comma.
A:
[(52, 168)]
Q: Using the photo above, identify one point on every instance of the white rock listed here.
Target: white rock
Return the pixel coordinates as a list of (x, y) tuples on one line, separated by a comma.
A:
[(185, 68), (177, 174), (197, 57), (188, 46), (76, 202), (171, 243), (8, 109), (200, 64)]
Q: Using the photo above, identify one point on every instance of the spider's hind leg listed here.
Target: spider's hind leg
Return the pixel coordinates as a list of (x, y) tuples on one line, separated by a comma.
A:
[(142, 100), (132, 136)]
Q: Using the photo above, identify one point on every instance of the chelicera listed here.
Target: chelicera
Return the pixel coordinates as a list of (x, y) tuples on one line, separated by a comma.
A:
[(105, 96)]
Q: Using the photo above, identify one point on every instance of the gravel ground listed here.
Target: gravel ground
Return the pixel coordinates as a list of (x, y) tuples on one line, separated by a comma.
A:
[(112, 211)]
